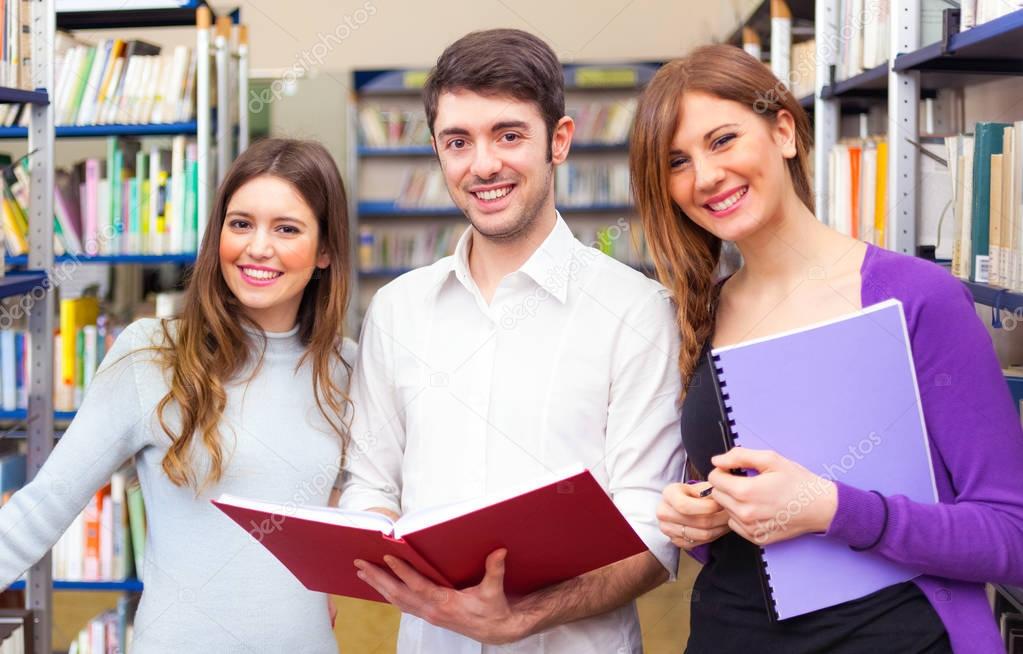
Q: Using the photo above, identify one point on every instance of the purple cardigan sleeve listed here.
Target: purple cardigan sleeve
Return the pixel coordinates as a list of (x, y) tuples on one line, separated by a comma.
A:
[(975, 533)]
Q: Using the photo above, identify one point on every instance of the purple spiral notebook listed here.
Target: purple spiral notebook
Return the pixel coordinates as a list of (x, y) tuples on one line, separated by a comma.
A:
[(840, 398)]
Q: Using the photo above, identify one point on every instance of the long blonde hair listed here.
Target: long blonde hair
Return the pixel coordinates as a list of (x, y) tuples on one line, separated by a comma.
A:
[(686, 255), (209, 345)]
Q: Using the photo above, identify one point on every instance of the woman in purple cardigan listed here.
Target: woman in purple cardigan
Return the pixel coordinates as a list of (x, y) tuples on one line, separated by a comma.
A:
[(719, 153)]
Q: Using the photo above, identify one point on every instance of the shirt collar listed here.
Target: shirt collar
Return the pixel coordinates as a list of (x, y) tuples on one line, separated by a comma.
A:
[(549, 266)]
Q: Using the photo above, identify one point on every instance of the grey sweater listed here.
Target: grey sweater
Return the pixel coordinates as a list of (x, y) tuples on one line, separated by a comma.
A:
[(209, 586)]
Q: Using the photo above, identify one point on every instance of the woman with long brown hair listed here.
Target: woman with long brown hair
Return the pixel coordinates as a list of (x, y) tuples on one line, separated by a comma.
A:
[(244, 393), (719, 154)]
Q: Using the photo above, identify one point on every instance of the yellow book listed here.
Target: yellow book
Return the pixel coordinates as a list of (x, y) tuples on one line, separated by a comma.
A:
[(13, 236), (75, 313), (881, 195)]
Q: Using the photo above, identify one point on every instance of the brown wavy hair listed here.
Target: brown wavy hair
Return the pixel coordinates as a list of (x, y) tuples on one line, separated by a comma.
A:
[(208, 345), (685, 255)]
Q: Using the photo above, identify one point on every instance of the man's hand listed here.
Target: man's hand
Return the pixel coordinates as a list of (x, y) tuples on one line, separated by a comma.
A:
[(482, 612)]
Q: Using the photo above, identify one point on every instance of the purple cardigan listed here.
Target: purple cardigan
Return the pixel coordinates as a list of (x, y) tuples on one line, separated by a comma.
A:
[(975, 533)]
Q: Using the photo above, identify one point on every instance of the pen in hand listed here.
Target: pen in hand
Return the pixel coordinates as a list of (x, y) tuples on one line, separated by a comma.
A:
[(706, 491)]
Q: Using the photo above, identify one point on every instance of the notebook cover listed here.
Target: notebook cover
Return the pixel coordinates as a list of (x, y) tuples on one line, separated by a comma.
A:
[(840, 398)]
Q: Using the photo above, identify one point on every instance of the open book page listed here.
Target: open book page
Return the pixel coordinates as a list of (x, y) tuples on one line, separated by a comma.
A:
[(435, 515), (358, 519)]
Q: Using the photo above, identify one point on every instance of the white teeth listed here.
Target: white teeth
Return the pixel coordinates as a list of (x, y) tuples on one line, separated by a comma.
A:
[(260, 274), (493, 195), (727, 202)]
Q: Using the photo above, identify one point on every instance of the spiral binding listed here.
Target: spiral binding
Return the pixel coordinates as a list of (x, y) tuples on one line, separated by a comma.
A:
[(727, 411)]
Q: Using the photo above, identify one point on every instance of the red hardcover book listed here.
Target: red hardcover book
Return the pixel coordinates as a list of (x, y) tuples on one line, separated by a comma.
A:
[(553, 531)]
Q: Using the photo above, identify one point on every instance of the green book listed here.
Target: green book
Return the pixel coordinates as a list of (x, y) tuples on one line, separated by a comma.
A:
[(109, 228), (137, 524), (191, 242), (988, 141), (140, 205)]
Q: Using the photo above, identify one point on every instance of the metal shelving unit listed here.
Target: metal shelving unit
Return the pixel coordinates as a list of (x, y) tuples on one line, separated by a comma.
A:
[(41, 133)]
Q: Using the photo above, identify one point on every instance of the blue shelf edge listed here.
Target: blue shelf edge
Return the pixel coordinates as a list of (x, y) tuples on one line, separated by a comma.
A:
[(21, 96), (993, 296), (85, 131), (22, 414), (21, 260), (19, 283), (875, 80), (1001, 27), (128, 585)]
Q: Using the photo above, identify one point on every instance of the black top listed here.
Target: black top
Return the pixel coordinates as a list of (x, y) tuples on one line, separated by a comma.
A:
[(729, 610)]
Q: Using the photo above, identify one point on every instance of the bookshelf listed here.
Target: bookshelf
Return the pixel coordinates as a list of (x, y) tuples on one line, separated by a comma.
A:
[(394, 140), (917, 71), (34, 283)]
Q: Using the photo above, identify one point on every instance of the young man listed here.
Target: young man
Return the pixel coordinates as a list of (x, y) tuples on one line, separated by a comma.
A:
[(522, 353)]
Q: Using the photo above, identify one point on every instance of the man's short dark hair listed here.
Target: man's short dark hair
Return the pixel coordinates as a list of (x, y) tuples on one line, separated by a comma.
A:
[(500, 62)]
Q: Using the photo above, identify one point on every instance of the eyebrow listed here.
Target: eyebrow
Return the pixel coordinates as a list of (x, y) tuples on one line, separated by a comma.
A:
[(246, 214), (707, 136), (496, 127)]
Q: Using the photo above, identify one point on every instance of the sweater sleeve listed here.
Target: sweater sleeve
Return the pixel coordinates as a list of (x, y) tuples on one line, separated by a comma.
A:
[(977, 450), (106, 431)]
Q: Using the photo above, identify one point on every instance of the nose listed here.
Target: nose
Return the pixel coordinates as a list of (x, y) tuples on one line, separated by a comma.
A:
[(485, 162), (260, 245), (708, 175)]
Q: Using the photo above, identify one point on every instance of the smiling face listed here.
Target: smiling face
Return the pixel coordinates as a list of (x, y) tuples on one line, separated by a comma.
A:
[(497, 166), (728, 165), (269, 248)]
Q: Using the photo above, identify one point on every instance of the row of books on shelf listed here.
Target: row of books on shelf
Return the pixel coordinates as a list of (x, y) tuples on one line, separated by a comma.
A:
[(858, 193), (576, 185), (595, 122), (16, 45), (79, 344), (403, 248), (111, 632), (136, 201), (117, 82), (107, 540), (987, 169)]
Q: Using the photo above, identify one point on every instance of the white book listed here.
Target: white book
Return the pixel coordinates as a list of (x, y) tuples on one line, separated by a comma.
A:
[(87, 108), (868, 192), (8, 370), (176, 219), (110, 99), (106, 540), (122, 111)]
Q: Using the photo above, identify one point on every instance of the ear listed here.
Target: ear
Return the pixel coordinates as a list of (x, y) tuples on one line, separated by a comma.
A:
[(562, 140), (784, 133), (323, 260)]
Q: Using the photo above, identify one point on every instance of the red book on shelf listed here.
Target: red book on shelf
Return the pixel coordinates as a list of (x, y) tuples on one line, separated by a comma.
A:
[(553, 531)]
